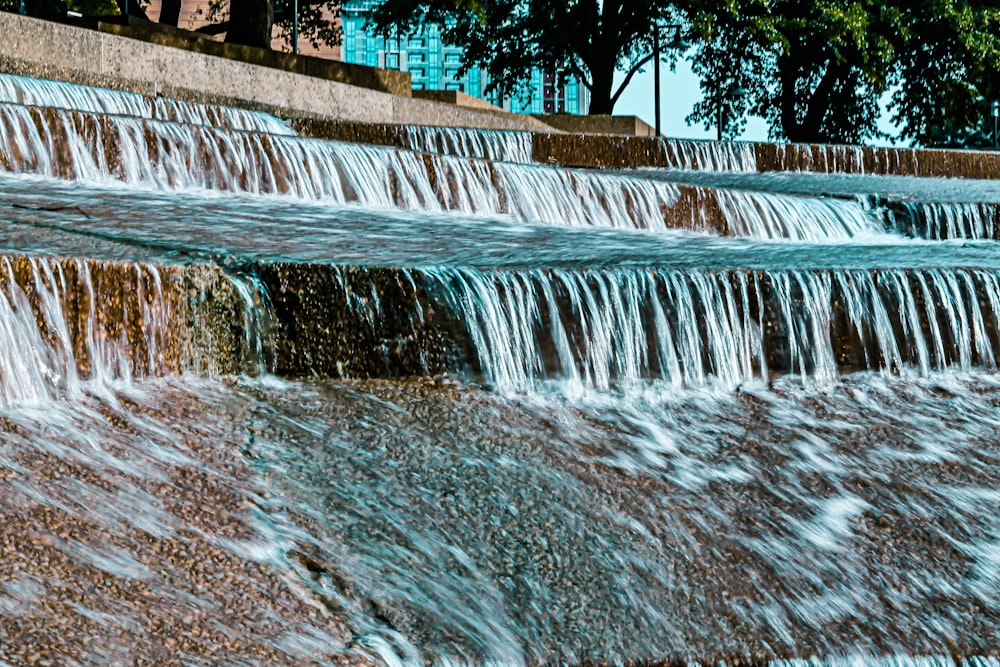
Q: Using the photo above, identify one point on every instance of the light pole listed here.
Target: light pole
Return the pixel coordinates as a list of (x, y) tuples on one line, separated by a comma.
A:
[(675, 43), (731, 94), (295, 27), (995, 112)]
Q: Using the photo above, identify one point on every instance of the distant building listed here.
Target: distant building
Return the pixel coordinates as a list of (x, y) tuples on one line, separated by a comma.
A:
[(434, 65)]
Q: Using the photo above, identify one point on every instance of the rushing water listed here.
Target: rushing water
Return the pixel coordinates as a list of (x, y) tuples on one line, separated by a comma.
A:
[(496, 145), (56, 94), (679, 415)]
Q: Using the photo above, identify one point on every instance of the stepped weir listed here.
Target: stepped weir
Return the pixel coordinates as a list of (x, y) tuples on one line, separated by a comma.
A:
[(331, 394)]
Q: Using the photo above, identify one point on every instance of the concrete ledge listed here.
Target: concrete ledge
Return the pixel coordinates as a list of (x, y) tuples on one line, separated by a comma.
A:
[(626, 125), (596, 150), (384, 80), (457, 98), (37, 48), (325, 323), (629, 152)]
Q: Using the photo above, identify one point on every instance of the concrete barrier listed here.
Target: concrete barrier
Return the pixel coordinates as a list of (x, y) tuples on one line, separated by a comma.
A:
[(626, 125), (32, 47), (373, 78)]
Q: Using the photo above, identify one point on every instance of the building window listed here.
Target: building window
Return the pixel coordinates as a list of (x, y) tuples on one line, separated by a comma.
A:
[(454, 86), (416, 57)]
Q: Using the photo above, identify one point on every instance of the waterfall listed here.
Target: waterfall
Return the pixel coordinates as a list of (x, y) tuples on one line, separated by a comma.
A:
[(150, 153), (591, 329), (581, 198), (710, 155), (294, 430), (771, 216), (940, 222), (56, 328), (66, 324), (497, 145), (140, 149), (59, 95)]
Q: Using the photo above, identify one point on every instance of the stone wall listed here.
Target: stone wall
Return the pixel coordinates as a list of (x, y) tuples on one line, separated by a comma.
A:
[(595, 150), (373, 78), (626, 125), (32, 47)]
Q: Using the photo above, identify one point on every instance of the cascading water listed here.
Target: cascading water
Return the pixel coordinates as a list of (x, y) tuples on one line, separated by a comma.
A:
[(679, 447), (710, 156), (495, 145), (940, 222), (68, 322), (596, 330), (56, 94), (769, 216)]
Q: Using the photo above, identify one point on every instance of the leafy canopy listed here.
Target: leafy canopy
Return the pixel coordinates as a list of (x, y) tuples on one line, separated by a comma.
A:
[(818, 70), (509, 38)]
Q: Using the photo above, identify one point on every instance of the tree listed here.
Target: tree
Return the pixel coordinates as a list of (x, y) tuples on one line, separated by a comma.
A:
[(509, 38), (251, 22), (814, 69), (817, 71), (949, 72)]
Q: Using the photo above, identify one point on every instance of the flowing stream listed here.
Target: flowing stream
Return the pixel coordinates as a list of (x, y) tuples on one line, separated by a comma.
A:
[(267, 399)]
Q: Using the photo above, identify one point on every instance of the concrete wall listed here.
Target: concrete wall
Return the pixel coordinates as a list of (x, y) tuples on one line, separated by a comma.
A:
[(385, 80), (456, 97), (32, 47), (628, 125)]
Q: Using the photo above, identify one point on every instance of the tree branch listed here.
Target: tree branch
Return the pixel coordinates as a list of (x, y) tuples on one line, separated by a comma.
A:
[(576, 70), (628, 77), (214, 28)]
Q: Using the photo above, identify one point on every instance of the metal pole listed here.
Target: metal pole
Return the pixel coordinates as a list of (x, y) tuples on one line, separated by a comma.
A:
[(295, 26), (656, 79), (996, 117), (718, 125)]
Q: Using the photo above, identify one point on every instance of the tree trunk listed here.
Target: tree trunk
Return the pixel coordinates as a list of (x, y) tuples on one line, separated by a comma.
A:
[(250, 22), (170, 12), (134, 8), (603, 79)]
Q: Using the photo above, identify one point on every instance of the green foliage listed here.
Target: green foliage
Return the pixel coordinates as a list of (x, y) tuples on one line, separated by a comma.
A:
[(949, 72), (817, 70), (509, 38), (94, 7)]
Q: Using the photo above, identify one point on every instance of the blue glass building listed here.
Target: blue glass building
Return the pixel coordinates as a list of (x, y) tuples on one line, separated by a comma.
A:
[(434, 65)]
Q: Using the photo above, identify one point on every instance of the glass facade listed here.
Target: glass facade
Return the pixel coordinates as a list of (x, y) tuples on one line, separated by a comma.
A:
[(434, 65)]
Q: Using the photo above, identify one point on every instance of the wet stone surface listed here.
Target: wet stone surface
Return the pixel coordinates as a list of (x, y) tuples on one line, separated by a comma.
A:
[(753, 526), (134, 533)]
